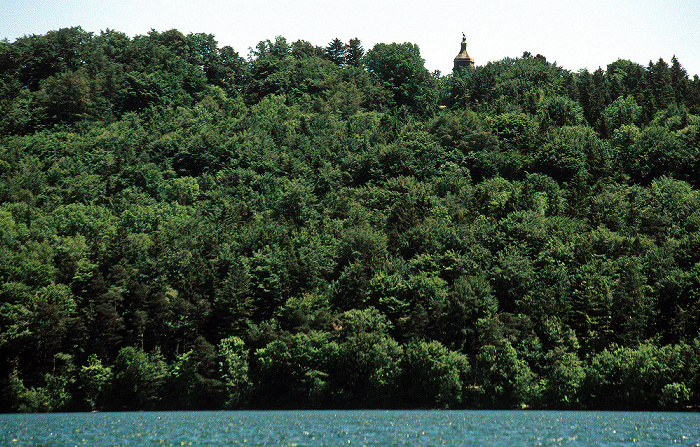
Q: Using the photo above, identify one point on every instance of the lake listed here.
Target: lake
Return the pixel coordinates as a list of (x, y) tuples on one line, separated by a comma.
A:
[(330, 428)]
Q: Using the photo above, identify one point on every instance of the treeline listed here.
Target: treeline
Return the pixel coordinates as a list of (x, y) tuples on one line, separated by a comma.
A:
[(328, 227)]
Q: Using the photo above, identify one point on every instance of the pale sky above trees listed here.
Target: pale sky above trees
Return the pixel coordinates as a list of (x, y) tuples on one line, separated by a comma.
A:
[(573, 33)]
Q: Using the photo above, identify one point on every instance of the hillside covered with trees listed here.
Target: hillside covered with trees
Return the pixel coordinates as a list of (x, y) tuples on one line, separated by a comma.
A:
[(182, 227)]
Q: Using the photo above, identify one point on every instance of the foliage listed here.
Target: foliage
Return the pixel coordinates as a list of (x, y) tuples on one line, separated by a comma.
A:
[(329, 227)]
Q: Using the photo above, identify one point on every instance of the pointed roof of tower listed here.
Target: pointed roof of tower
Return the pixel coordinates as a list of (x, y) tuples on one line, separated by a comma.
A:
[(463, 59)]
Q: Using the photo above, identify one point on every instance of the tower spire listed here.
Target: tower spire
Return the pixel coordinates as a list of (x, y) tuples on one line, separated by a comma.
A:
[(463, 59)]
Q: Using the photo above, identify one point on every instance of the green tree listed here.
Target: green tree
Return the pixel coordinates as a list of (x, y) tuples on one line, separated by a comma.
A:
[(93, 382), (564, 378), (363, 365), (674, 396), (569, 150), (234, 366), (559, 111), (194, 380), (625, 377), (293, 373), (679, 81), (67, 97), (183, 190), (336, 52), (354, 52), (361, 252), (511, 382), (137, 380), (621, 112), (401, 70), (515, 131), (434, 376), (591, 96), (660, 82)]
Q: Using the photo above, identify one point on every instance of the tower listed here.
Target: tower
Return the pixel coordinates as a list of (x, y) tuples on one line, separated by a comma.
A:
[(463, 59)]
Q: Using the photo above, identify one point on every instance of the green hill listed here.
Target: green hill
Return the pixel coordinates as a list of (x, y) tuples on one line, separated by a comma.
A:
[(333, 227)]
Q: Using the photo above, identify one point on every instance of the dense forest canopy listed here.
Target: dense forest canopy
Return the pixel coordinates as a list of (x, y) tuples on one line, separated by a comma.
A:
[(336, 227)]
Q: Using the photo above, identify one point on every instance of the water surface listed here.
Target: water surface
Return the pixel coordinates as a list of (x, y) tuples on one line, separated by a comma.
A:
[(331, 428)]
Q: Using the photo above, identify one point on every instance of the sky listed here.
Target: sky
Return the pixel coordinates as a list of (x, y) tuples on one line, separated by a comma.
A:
[(574, 34)]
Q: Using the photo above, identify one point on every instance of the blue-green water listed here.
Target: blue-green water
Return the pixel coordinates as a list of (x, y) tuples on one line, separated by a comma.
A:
[(331, 428)]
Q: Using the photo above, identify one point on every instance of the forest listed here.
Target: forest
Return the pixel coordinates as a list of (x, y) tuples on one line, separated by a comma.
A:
[(334, 227)]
